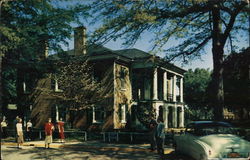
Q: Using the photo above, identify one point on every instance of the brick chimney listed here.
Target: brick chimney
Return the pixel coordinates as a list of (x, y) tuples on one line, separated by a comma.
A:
[(80, 40), (44, 50)]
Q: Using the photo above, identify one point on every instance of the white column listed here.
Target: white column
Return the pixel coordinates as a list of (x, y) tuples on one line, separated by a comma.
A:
[(139, 94), (165, 93), (57, 113), (165, 116), (24, 87), (156, 110), (56, 85), (174, 88), (181, 89), (181, 116), (155, 87), (174, 116), (93, 115), (171, 87)]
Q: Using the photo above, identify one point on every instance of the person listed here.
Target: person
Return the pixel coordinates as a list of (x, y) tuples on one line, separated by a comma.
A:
[(4, 125), (15, 122), (49, 128), (152, 126), (60, 125), (19, 129), (29, 130), (160, 136)]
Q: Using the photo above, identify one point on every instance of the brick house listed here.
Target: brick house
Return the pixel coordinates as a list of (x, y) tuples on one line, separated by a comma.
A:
[(137, 80)]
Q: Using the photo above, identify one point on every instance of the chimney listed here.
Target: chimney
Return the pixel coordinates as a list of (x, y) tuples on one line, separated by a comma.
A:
[(80, 40), (44, 50)]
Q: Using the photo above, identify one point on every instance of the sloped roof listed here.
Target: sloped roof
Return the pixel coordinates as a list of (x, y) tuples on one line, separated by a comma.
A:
[(97, 50), (133, 53)]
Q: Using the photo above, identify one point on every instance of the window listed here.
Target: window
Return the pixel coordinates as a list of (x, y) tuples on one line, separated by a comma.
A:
[(122, 113), (98, 115)]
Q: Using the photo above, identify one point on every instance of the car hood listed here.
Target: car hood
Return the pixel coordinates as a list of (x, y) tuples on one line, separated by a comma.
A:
[(225, 143)]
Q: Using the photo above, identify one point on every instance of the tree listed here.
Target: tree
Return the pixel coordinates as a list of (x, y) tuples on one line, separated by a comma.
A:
[(30, 28), (194, 23), (195, 91), (195, 87), (77, 85), (69, 84), (237, 77)]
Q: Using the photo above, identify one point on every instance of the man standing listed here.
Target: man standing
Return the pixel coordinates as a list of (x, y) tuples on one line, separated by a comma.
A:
[(49, 128), (29, 130), (4, 127), (152, 126), (160, 136), (60, 125)]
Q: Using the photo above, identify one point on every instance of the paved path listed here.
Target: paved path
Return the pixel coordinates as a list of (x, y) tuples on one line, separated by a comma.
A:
[(91, 145), (83, 151)]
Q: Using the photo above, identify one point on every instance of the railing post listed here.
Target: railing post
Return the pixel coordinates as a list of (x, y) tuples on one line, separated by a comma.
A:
[(104, 136), (85, 133), (117, 136), (109, 136), (131, 137), (40, 134)]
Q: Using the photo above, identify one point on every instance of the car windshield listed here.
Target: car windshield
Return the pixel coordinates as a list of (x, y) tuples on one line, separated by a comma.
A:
[(207, 129)]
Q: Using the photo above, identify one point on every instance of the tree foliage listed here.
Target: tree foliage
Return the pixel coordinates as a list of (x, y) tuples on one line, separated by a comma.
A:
[(195, 93), (237, 80), (195, 87), (28, 29), (190, 24), (187, 21), (77, 84)]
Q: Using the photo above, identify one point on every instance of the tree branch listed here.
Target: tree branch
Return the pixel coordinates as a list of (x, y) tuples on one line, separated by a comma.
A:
[(232, 21)]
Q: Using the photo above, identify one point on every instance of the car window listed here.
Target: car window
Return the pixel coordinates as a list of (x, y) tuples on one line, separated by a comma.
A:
[(207, 129)]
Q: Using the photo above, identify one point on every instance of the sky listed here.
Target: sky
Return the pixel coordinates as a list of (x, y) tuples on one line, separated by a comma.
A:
[(205, 61), (143, 44)]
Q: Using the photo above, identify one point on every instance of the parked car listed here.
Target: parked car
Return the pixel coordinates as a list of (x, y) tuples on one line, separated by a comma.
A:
[(210, 140)]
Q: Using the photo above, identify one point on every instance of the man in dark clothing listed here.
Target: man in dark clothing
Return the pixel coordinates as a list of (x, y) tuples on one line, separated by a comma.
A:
[(152, 126), (160, 136)]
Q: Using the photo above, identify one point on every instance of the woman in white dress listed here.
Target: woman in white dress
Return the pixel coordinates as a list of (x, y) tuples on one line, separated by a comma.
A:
[(19, 128)]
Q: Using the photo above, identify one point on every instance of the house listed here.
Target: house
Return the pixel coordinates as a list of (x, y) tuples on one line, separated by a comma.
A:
[(141, 85)]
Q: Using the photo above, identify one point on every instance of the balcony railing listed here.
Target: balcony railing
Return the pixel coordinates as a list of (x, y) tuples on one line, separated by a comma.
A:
[(170, 97)]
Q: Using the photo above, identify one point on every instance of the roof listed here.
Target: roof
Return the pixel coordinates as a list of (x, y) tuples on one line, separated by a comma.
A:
[(99, 52), (133, 53), (95, 49)]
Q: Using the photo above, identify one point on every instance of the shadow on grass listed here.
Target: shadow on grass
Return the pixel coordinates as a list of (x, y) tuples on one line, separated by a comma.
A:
[(82, 153)]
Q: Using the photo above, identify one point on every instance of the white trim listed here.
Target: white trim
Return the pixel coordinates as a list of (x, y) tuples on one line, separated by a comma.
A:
[(94, 117), (172, 72)]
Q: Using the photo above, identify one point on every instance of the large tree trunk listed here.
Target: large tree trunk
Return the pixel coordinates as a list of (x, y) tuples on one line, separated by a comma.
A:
[(1, 87), (20, 92), (218, 52)]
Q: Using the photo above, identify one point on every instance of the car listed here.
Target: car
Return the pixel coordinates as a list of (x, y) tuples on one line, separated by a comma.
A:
[(212, 140)]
